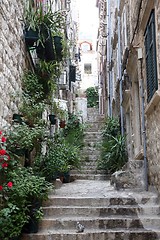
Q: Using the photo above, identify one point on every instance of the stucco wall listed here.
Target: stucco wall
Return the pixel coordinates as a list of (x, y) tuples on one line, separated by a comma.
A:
[(12, 57)]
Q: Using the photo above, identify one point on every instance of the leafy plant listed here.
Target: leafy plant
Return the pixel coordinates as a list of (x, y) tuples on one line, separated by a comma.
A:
[(59, 158), (43, 20), (12, 220), (32, 87), (92, 97), (74, 130), (19, 201), (113, 147), (24, 137), (31, 111)]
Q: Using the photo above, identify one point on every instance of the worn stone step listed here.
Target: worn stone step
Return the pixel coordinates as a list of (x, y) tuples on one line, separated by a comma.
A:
[(125, 222), (105, 201), (92, 234), (91, 176), (93, 135), (94, 127), (85, 211), (90, 157), (90, 150), (86, 170)]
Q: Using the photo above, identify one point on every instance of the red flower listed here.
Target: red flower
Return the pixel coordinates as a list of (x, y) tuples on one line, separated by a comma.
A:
[(0, 132), (3, 139), (10, 184), (2, 152), (4, 165), (1, 188)]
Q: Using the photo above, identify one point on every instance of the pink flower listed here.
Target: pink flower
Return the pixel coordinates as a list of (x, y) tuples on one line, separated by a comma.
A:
[(2, 152), (3, 139), (10, 184), (0, 132), (1, 188), (4, 165)]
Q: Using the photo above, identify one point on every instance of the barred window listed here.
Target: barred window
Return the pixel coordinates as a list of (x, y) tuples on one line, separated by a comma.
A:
[(87, 68), (151, 63)]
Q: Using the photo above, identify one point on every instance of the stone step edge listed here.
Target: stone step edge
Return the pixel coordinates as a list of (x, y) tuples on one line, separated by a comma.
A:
[(94, 231), (72, 218), (104, 207)]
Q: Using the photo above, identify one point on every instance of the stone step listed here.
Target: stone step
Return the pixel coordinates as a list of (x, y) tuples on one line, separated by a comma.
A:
[(91, 234), (87, 211), (86, 170), (125, 222), (90, 157), (91, 176), (90, 150), (101, 201), (95, 135), (94, 126)]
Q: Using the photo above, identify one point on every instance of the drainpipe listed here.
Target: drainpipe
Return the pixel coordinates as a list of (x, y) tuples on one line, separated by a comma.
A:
[(109, 57), (120, 72), (143, 122)]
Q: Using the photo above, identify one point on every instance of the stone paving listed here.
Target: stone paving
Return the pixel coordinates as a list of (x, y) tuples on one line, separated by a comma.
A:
[(97, 188)]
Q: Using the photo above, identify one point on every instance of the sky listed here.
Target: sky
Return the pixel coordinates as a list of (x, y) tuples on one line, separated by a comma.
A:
[(88, 20)]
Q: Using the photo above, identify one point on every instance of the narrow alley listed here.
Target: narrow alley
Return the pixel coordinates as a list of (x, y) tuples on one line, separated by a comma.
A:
[(79, 120)]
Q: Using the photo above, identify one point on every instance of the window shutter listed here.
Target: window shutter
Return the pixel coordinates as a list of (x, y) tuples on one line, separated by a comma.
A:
[(151, 63)]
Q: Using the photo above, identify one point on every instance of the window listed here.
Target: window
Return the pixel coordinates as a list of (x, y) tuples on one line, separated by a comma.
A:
[(151, 63), (87, 68)]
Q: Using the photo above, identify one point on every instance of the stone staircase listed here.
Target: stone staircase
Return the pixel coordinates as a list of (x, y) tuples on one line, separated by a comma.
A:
[(90, 152), (106, 213)]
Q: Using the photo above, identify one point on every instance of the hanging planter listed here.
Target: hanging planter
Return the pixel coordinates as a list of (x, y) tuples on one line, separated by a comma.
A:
[(52, 119), (17, 118), (31, 37), (45, 51), (62, 123), (58, 47)]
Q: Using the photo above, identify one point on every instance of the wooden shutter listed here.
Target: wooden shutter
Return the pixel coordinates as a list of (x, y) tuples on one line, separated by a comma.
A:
[(151, 63)]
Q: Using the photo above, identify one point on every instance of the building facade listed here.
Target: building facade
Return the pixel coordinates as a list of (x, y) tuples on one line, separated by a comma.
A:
[(130, 77), (15, 58)]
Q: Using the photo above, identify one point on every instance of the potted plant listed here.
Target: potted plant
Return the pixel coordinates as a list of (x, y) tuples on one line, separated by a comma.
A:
[(62, 123), (17, 118), (45, 24), (54, 110), (58, 160), (52, 119), (62, 116)]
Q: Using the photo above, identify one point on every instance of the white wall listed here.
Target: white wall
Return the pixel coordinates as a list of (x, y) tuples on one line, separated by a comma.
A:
[(81, 107), (89, 80)]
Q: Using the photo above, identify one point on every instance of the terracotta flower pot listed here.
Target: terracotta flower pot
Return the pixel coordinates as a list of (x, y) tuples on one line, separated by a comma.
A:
[(62, 124)]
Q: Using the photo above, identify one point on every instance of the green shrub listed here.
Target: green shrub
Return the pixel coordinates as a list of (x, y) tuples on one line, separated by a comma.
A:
[(113, 154), (74, 131), (92, 97), (59, 158)]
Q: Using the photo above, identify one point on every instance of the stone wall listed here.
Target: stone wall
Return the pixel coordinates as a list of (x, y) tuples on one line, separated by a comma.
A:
[(12, 55), (153, 147), (152, 109), (153, 124)]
